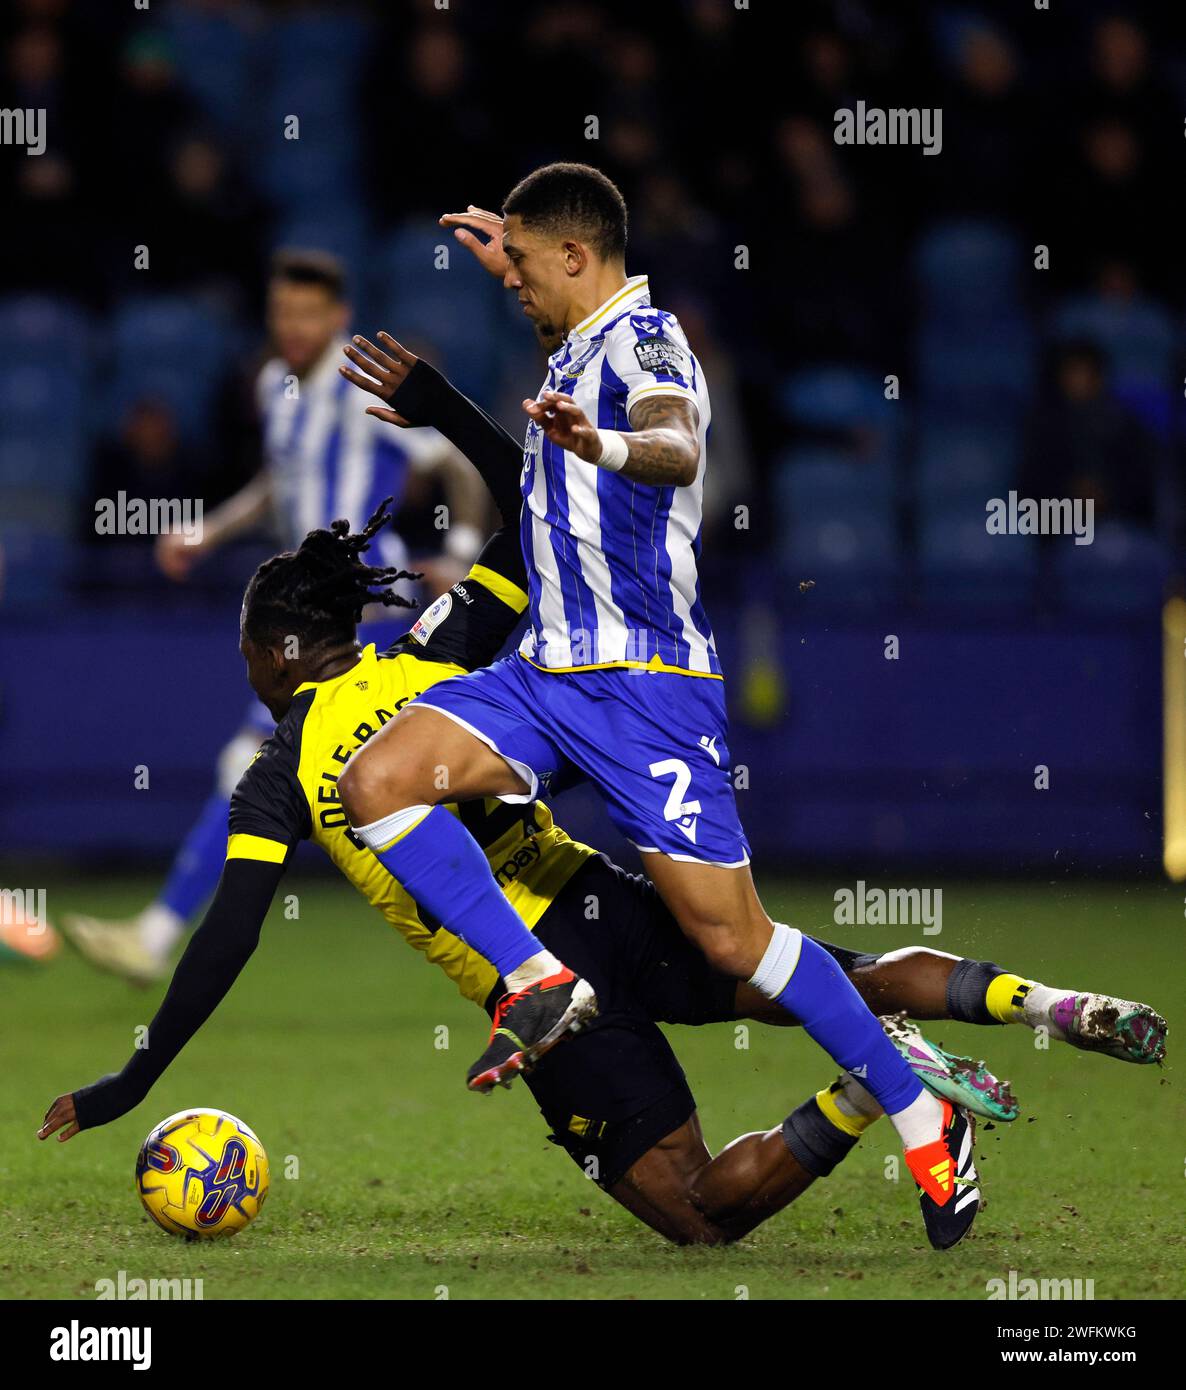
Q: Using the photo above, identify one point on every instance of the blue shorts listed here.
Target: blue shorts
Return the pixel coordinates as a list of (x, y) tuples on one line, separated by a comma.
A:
[(652, 742)]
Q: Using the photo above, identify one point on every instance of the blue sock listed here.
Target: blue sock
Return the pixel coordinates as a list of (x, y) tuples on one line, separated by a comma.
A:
[(197, 865), (833, 1014), (442, 866)]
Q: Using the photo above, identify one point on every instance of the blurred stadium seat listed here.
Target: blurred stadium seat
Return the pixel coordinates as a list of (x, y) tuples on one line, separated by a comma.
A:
[(837, 525), (961, 565), (1137, 335), (969, 269), (429, 290), (1123, 571), (959, 463), (982, 378), (214, 64), (173, 348)]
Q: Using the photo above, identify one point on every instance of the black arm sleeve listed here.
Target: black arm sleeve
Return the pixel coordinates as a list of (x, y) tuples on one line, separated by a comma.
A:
[(219, 950), (427, 398)]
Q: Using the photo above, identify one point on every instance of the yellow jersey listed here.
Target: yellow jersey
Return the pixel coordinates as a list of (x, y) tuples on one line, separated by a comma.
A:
[(290, 791)]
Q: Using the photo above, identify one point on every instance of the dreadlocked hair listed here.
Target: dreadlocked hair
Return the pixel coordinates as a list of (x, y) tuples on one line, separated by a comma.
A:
[(317, 592)]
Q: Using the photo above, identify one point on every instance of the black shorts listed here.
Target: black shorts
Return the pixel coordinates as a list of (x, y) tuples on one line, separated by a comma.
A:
[(614, 1091)]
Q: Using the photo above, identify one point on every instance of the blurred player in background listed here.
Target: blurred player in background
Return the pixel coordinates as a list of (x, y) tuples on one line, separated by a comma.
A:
[(323, 458)]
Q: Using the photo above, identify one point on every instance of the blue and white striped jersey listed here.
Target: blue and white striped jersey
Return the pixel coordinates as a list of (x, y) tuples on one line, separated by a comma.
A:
[(612, 572), (328, 457)]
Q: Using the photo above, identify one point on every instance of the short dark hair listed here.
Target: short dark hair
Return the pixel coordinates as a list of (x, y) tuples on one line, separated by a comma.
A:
[(300, 267), (576, 197)]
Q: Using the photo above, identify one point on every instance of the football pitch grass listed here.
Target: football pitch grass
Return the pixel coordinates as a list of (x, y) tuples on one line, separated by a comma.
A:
[(389, 1180)]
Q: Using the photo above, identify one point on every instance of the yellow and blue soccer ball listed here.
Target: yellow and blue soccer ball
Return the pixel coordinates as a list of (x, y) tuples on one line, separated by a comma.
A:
[(202, 1173)]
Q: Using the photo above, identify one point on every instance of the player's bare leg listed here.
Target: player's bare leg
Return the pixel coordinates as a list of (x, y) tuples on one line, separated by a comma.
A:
[(393, 792), (680, 1190), (926, 984)]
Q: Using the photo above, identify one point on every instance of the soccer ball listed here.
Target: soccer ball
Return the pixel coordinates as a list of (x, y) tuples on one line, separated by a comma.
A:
[(202, 1173)]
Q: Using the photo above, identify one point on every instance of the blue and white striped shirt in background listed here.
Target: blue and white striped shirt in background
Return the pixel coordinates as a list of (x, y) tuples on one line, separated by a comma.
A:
[(329, 458)]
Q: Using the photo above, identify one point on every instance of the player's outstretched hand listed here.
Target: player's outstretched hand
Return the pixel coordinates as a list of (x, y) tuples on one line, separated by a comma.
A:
[(384, 372), (174, 557), (487, 224), (565, 424), (59, 1114)]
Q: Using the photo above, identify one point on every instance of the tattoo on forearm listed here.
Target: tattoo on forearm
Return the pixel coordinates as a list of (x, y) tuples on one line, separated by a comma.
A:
[(663, 448)]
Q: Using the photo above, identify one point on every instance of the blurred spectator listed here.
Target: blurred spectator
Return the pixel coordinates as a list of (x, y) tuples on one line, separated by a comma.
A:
[(988, 125), (1081, 443), (723, 143), (146, 458)]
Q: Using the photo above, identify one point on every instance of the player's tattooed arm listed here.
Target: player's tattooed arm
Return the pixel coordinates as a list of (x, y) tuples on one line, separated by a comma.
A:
[(662, 447)]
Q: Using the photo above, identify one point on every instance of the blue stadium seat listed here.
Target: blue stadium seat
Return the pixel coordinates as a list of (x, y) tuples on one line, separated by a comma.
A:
[(215, 57), (321, 168), (46, 331), (966, 268), (982, 374), (1138, 335), (1123, 571), (37, 548), (962, 463), (839, 397), (41, 398), (851, 561), (814, 482), (837, 525), (450, 311), (342, 233), (961, 565), (44, 461), (1154, 403), (169, 347), (311, 68)]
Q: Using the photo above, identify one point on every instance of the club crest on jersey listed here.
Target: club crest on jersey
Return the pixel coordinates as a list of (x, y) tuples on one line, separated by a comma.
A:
[(572, 370), (660, 354), (431, 618)]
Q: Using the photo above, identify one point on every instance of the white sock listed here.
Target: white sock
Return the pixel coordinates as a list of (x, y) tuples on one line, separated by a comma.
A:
[(160, 929), (920, 1123), (536, 967), (1038, 1006)]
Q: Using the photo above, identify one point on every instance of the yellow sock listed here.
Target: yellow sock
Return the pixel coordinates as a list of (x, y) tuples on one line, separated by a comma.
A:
[(1005, 998), (856, 1124)]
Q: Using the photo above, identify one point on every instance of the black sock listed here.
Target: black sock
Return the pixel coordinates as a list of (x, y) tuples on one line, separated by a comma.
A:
[(814, 1140), (967, 986)]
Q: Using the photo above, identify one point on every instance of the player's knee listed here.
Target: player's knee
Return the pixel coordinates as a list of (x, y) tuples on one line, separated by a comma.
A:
[(368, 790), (728, 947)]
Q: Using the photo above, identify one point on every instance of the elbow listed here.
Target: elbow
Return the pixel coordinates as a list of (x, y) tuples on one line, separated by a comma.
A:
[(691, 469)]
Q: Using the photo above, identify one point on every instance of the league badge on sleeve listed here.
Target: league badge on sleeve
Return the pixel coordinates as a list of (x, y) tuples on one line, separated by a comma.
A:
[(660, 355), (432, 617)]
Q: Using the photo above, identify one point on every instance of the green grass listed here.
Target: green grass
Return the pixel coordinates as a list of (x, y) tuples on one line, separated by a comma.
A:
[(407, 1183)]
